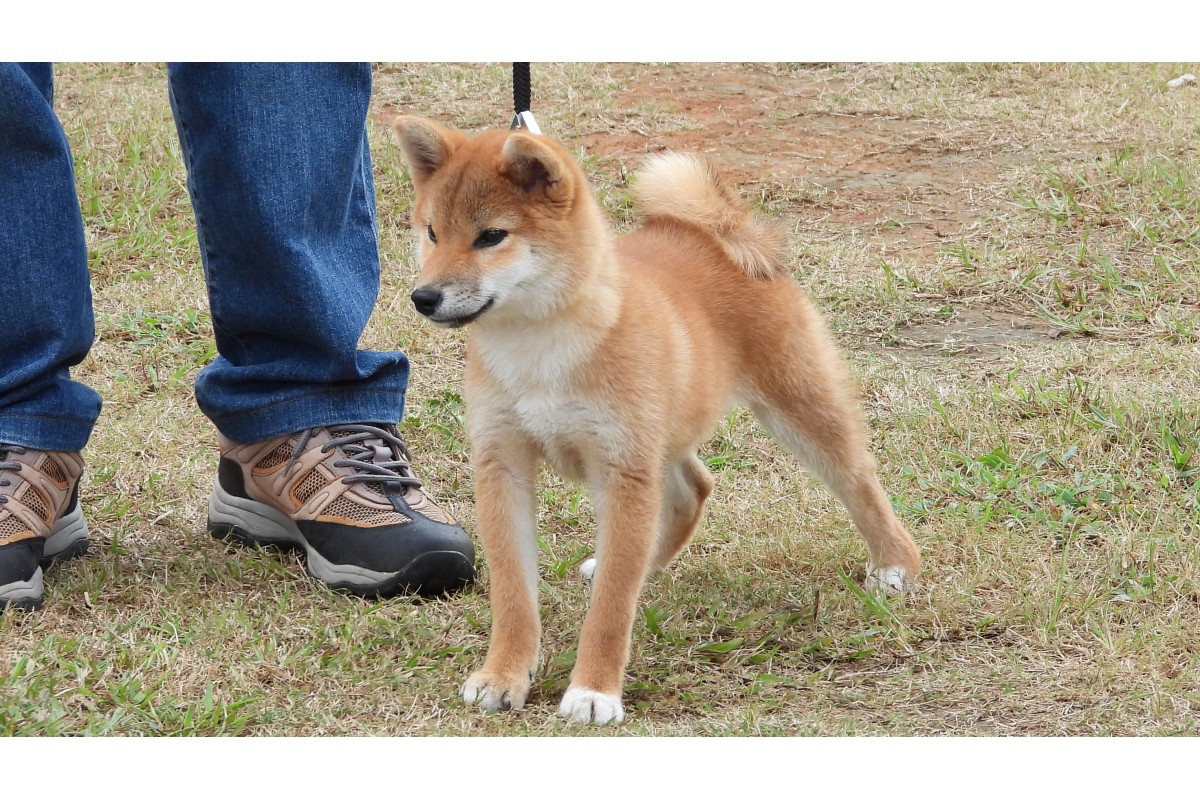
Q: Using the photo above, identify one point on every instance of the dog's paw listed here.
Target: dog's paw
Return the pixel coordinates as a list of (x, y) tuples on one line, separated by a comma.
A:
[(587, 570), (890, 580), (591, 707), (493, 692)]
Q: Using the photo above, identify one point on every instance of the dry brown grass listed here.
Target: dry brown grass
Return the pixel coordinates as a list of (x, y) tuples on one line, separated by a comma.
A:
[(1006, 252)]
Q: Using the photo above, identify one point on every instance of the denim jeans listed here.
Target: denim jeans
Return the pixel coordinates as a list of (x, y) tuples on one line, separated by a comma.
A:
[(279, 176)]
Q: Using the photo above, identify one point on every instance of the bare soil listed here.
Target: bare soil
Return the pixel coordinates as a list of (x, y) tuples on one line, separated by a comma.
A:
[(900, 178)]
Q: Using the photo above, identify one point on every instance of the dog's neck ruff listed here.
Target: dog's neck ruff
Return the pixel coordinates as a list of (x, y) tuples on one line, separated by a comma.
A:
[(547, 351)]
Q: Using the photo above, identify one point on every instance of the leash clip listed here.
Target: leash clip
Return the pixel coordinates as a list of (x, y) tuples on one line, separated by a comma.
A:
[(524, 121)]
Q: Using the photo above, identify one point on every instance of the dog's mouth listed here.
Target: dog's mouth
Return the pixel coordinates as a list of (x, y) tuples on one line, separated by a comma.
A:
[(458, 322)]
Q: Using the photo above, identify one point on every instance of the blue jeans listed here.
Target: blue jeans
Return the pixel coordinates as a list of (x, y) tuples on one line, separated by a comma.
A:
[(279, 175)]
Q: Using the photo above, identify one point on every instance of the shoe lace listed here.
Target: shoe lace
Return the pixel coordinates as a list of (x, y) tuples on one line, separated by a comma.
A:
[(376, 455), (11, 466)]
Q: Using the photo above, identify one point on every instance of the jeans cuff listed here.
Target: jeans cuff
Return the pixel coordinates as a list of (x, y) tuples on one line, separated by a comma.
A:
[(45, 432), (316, 410)]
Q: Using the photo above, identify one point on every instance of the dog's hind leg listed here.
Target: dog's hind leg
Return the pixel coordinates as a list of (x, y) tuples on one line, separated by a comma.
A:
[(800, 396), (686, 486), (832, 447)]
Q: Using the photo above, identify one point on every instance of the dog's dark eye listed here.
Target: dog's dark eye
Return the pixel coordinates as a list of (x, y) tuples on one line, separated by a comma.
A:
[(429, 230), (490, 238)]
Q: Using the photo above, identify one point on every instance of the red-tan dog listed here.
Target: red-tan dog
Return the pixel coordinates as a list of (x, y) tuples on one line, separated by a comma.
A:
[(612, 358)]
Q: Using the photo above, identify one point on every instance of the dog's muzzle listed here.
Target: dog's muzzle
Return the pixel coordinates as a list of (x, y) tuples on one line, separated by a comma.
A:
[(432, 303)]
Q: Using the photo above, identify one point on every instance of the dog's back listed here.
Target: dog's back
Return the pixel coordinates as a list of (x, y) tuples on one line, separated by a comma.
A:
[(725, 271)]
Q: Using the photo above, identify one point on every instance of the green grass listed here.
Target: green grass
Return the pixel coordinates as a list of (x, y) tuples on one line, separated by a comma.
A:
[(1006, 253)]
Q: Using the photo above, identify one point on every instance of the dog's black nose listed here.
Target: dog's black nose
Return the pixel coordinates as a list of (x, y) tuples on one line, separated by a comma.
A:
[(427, 300)]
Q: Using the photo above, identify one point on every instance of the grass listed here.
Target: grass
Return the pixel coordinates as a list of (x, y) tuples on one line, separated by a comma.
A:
[(1008, 255)]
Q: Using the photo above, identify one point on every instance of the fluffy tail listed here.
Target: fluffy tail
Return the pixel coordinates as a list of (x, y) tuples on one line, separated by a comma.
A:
[(689, 189)]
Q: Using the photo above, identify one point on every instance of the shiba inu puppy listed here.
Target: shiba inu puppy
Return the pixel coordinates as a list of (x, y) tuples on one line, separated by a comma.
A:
[(612, 358)]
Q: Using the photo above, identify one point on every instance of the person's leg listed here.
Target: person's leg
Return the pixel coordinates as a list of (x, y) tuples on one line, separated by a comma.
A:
[(46, 299), (47, 327), (280, 179)]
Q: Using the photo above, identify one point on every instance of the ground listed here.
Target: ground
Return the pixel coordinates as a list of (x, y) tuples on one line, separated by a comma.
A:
[(1006, 254), (907, 185)]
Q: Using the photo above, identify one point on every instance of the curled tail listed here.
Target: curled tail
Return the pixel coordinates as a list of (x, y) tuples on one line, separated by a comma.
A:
[(689, 189)]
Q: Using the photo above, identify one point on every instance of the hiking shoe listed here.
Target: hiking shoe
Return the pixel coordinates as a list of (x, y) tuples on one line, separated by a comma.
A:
[(40, 519), (347, 496)]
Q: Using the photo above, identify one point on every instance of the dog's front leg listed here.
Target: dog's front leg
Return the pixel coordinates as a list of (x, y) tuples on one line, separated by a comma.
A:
[(507, 518), (627, 508)]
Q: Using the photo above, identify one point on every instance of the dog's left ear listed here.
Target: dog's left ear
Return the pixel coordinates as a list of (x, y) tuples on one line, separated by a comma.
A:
[(534, 166)]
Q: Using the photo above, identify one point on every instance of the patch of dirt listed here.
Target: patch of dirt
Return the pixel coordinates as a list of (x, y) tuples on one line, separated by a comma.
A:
[(970, 331), (900, 181)]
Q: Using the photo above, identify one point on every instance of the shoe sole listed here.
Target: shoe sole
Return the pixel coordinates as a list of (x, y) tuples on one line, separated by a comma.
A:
[(68, 539), (252, 523)]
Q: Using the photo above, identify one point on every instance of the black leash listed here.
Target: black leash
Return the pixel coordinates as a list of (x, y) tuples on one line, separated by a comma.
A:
[(522, 97)]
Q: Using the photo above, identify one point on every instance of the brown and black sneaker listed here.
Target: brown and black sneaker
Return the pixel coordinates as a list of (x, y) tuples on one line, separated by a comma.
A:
[(347, 495), (40, 519)]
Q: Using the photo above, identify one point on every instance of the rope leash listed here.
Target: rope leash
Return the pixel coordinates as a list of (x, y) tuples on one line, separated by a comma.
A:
[(522, 95)]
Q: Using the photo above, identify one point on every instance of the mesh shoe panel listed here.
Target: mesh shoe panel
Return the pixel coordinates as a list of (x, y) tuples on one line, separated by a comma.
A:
[(345, 508)]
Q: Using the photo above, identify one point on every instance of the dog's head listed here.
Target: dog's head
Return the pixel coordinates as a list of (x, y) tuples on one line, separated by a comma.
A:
[(496, 218)]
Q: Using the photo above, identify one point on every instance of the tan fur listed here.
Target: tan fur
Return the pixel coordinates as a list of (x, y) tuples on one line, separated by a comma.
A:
[(611, 359)]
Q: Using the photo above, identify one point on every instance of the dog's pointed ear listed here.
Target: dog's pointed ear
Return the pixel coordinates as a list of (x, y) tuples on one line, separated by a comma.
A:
[(427, 145), (534, 166)]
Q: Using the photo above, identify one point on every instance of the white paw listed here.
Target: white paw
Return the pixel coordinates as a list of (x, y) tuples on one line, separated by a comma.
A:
[(587, 570), (588, 706), (892, 580), (491, 695)]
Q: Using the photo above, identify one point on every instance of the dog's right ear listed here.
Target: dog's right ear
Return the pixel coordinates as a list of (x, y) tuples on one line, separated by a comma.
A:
[(427, 145)]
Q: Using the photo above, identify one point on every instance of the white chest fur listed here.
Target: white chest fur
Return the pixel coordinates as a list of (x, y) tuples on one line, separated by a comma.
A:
[(537, 375), (572, 432)]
